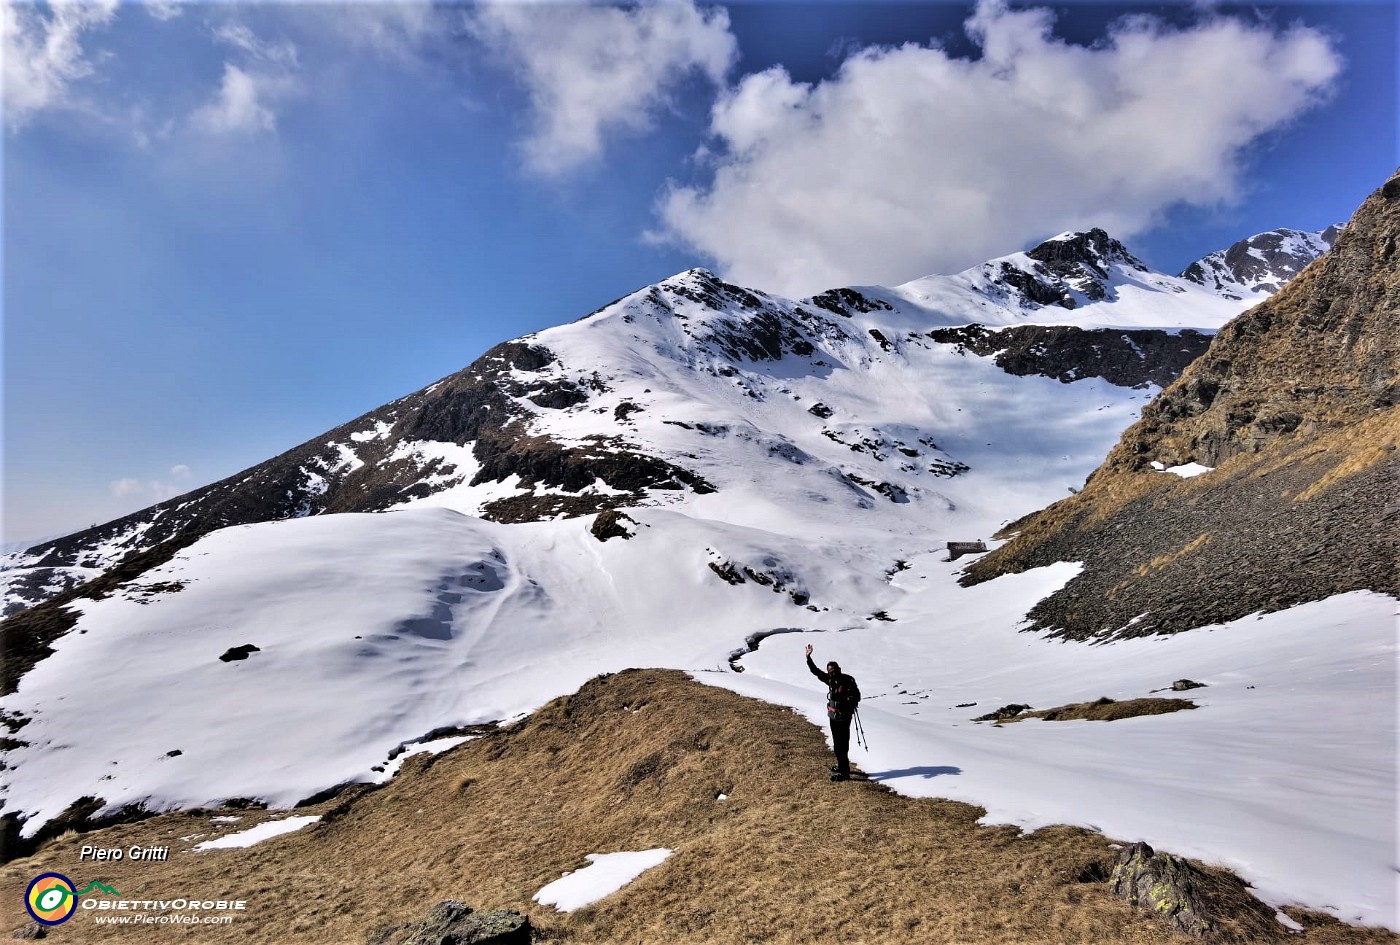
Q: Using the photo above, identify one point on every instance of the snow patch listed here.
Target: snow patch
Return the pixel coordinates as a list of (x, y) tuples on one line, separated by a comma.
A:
[(607, 873), (435, 747), (1186, 470), (263, 831), (378, 432)]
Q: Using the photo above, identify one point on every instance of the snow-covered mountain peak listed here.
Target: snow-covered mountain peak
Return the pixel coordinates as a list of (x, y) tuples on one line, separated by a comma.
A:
[(1087, 279), (690, 348), (700, 293), (1257, 267)]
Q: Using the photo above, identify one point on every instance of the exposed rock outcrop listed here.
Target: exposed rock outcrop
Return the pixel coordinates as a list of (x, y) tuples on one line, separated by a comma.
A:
[(1294, 410), (1127, 358), (453, 923), (1189, 899), (611, 523), (1070, 264), (1004, 713)]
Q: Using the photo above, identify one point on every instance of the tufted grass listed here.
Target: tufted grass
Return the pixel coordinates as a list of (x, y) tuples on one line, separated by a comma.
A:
[(630, 762)]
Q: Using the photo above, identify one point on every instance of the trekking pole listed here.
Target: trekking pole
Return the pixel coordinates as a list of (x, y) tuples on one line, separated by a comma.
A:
[(860, 732)]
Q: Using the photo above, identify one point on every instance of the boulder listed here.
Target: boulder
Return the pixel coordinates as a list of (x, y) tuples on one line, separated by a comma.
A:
[(1213, 906), (611, 523), (454, 923), (1164, 884), (1002, 714), (239, 652)]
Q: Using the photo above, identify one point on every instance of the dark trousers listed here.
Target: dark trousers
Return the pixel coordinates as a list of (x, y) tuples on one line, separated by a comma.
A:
[(841, 742)]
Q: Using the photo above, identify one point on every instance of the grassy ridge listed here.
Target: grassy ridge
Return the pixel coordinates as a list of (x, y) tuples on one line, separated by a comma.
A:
[(630, 762)]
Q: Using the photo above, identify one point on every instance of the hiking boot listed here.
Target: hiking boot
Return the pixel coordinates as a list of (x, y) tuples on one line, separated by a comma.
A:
[(838, 776)]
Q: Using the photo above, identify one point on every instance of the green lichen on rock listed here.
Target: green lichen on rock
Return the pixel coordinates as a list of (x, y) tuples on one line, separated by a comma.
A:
[(1168, 885), (1208, 904), (454, 923)]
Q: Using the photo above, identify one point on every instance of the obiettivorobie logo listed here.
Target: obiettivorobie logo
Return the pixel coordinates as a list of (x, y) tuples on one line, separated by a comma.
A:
[(51, 898)]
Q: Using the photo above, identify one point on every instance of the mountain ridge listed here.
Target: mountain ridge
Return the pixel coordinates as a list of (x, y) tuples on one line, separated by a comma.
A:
[(368, 464)]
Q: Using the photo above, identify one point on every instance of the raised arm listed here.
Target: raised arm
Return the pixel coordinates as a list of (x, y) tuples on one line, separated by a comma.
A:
[(813, 667)]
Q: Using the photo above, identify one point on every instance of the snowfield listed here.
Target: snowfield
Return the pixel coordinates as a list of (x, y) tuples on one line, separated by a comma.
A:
[(1285, 773), (826, 526)]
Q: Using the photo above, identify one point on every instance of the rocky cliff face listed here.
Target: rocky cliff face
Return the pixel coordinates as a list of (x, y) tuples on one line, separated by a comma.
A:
[(1127, 358), (1293, 409)]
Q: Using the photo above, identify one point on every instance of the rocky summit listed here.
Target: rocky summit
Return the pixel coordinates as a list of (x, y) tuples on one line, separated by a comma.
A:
[(1257, 267)]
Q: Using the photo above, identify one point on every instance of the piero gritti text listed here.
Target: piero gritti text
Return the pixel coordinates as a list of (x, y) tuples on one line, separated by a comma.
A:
[(138, 853)]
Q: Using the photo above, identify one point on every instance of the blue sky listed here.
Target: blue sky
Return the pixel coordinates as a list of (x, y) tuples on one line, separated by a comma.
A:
[(228, 228)]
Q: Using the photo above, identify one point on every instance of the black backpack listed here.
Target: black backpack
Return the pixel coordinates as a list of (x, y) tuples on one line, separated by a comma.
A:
[(845, 695)]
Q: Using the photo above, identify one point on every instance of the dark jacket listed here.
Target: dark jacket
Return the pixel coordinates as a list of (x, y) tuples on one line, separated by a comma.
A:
[(842, 693)]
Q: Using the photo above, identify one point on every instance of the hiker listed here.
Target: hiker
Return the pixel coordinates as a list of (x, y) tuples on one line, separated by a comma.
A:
[(842, 697)]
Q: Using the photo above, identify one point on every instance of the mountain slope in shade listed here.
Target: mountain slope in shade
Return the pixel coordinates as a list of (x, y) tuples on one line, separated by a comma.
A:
[(1257, 267), (1291, 421), (492, 431)]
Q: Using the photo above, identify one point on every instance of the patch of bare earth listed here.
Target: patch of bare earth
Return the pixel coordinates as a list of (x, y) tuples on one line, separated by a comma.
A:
[(1105, 709), (635, 761)]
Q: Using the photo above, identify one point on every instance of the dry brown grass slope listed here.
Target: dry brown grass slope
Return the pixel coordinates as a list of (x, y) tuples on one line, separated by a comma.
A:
[(1296, 405), (630, 762)]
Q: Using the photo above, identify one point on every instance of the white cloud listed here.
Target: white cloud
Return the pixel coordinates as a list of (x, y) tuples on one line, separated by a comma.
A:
[(238, 107), (249, 94), (594, 69), (910, 161), (149, 491), (44, 56), (124, 487), (241, 37), (396, 31), (164, 10)]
